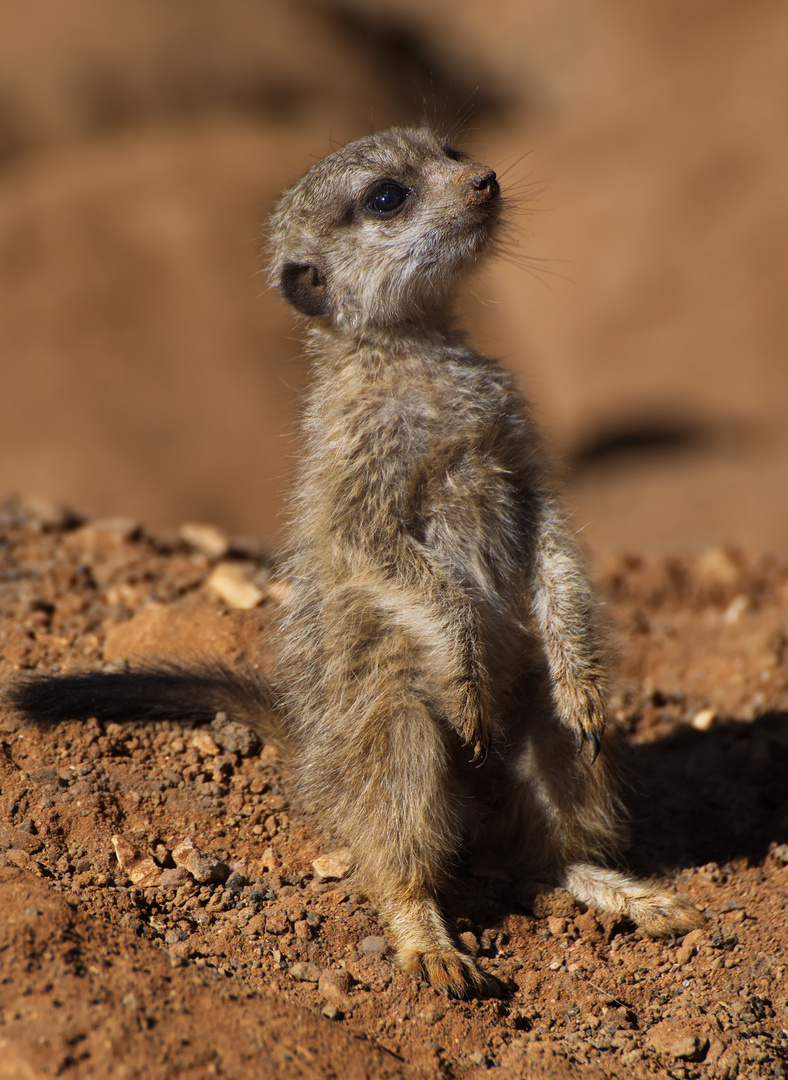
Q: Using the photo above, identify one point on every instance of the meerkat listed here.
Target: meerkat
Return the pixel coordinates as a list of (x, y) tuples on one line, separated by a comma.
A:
[(442, 669)]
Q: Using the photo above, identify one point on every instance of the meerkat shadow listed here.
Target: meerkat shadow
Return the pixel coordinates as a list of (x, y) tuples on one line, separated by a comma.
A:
[(695, 797), (712, 796)]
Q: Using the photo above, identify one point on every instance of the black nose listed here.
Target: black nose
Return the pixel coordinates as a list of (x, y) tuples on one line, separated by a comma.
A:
[(486, 181)]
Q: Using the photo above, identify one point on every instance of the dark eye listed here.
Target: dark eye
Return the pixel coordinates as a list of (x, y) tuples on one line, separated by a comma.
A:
[(386, 198), (454, 155)]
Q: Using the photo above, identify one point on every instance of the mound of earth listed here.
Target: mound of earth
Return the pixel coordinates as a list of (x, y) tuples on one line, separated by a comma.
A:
[(167, 914)]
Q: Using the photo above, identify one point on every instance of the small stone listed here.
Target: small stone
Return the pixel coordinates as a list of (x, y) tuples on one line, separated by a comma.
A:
[(704, 719), (276, 922), (716, 1049), (556, 965), (372, 946), (334, 865), (556, 925), (269, 860), (174, 877), (335, 987), (303, 931), (305, 972), (674, 1039), (232, 584), (255, 925), (146, 873), (104, 534), (138, 866), (718, 566), (694, 937), (203, 868), (207, 539), (469, 942), (236, 882), (331, 1012), (270, 754), (126, 852), (205, 743)]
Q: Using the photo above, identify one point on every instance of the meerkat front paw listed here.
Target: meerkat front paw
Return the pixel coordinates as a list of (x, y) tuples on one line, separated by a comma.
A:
[(582, 710), (471, 721)]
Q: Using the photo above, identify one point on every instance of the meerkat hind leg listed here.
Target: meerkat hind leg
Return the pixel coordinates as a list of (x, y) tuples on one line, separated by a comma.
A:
[(423, 947), (391, 798), (658, 912)]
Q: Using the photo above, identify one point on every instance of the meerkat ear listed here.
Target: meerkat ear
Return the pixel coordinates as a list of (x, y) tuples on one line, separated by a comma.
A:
[(303, 286)]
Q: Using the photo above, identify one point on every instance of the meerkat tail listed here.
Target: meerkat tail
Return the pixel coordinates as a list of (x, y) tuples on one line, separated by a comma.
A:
[(658, 912), (160, 692)]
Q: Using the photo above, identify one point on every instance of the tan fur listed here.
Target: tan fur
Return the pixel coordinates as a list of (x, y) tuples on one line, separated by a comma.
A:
[(438, 599)]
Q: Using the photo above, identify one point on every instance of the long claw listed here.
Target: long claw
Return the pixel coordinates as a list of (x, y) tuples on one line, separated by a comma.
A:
[(480, 751), (595, 739)]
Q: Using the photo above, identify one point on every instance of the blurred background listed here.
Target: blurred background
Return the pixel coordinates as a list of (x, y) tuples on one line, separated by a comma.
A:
[(148, 371)]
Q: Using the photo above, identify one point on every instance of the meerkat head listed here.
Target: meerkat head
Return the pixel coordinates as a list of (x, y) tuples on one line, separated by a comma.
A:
[(378, 233)]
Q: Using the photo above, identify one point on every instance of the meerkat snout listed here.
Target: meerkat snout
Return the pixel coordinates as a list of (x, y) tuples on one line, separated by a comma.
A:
[(486, 182)]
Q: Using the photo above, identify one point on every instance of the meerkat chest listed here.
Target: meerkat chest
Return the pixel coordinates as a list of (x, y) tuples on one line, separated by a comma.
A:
[(433, 454)]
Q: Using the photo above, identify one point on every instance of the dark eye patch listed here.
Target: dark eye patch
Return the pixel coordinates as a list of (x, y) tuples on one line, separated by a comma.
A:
[(454, 155)]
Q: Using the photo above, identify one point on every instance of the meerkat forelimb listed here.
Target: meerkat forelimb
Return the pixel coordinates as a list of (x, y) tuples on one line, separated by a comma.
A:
[(441, 658)]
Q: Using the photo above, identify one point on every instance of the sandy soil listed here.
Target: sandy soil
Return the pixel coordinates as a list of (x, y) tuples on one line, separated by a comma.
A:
[(127, 954)]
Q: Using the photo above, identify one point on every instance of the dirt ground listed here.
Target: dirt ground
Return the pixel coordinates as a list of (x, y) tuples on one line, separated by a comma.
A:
[(162, 914)]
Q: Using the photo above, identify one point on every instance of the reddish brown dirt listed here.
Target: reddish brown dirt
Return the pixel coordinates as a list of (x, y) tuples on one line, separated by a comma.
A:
[(183, 977)]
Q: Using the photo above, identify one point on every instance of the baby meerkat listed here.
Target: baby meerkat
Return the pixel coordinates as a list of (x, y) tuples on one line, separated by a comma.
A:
[(442, 670)]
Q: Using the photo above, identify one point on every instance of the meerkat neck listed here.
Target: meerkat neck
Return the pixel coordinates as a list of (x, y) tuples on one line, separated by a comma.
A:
[(330, 341)]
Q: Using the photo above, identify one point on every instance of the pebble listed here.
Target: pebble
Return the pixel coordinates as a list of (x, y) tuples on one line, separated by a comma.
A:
[(305, 972), (704, 719), (203, 868), (207, 539), (469, 942), (232, 584), (205, 743), (674, 1039), (334, 985), (139, 867), (276, 922), (372, 946), (334, 865), (174, 877)]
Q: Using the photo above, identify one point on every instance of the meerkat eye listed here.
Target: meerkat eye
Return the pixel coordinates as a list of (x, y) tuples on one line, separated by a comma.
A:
[(454, 155), (386, 198)]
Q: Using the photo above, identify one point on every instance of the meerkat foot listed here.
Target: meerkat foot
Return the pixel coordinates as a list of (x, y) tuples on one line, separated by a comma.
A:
[(450, 972), (658, 912)]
